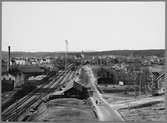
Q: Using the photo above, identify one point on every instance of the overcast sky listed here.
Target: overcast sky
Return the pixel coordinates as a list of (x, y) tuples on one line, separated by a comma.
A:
[(37, 26)]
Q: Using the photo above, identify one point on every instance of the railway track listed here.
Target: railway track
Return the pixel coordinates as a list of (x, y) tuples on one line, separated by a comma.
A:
[(14, 111), (25, 98)]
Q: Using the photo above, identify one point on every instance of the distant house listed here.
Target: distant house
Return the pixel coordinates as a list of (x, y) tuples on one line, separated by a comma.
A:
[(33, 62), (19, 78), (153, 59), (8, 81), (7, 76), (3, 66), (146, 62), (122, 66), (23, 72), (20, 62), (48, 60), (12, 78)]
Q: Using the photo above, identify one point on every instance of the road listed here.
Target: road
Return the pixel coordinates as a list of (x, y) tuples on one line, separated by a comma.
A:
[(103, 108), (138, 102)]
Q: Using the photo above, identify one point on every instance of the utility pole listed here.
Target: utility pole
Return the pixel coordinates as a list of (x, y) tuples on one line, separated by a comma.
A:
[(134, 81), (140, 83), (66, 41), (8, 68), (82, 60)]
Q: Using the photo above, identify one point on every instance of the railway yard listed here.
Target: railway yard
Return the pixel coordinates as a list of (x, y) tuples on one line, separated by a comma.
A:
[(23, 107), (73, 95), (83, 62)]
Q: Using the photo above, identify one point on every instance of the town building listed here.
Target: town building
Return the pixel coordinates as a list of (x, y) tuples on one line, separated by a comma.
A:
[(7, 81)]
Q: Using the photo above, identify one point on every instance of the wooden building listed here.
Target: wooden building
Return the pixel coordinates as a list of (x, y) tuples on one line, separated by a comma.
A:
[(7, 82)]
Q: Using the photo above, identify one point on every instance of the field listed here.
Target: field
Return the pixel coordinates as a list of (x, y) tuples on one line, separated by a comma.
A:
[(155, 112), (141, 108), (65, 109)]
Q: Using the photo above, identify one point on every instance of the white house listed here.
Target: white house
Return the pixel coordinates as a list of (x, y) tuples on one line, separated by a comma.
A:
[(20, 77), (8, 76), (20, 62), (8, 81), (17, 78)]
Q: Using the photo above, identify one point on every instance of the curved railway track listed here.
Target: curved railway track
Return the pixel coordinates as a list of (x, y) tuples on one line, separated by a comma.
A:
[(21, 106)]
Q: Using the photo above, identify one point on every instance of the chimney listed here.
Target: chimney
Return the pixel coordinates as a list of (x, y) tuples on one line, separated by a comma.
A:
[(8, 58)]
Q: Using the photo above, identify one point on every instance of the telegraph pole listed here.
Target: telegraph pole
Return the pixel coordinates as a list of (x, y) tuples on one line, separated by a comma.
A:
[(140, 89), (82, 57), (8, 59), (66, 41)]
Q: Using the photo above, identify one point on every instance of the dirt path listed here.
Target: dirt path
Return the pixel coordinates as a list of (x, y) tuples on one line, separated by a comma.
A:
[(122, 103), (104, 110)]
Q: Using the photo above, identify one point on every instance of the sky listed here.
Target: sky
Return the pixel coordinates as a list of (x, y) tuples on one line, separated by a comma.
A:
[(88, 26)]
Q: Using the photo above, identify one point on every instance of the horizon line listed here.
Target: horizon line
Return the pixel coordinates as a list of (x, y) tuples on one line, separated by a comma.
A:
[(83, 50)]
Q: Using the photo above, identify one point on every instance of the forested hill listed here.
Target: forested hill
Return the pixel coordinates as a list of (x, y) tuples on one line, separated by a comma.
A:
[(159, 53)]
